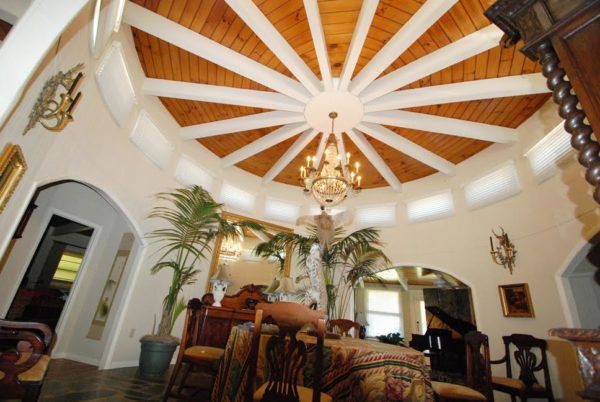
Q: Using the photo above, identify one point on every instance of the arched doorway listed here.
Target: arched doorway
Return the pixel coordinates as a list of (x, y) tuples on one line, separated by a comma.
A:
[(88, 317)]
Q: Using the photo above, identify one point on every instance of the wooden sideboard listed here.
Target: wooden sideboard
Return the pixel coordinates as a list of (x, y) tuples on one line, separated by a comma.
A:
[(216, 322), (564, 36)]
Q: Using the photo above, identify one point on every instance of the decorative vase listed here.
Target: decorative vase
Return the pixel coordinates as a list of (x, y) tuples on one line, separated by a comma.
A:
[(218, 291)]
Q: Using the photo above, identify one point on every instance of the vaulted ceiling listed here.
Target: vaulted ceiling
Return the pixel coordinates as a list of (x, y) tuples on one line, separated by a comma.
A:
[(419, 85)]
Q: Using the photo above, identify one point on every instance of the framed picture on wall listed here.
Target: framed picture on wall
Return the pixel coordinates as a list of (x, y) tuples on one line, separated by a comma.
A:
[(516, 300), (12, 168)]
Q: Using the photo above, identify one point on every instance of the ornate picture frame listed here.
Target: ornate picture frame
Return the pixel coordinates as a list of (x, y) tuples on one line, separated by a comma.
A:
[(516, 300), (12, 169)]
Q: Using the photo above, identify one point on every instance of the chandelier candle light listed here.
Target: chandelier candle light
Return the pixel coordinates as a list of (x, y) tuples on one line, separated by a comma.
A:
[(331, 181), (505, 253)]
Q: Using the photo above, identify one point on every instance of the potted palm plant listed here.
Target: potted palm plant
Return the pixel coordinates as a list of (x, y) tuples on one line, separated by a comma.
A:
[(346, 260), (193, 221)]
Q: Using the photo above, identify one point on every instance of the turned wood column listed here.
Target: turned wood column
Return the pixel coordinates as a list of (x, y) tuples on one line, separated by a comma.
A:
[(564, 36)]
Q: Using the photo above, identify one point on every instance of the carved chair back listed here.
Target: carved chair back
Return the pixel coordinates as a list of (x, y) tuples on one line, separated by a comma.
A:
[(479, 373), (285, 353), (345, 326), (530, 355)]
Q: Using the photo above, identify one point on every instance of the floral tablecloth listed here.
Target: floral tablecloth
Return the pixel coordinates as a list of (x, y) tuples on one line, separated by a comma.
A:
[(354, 370)]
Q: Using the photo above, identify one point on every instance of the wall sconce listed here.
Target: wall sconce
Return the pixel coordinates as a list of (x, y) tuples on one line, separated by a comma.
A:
[(504, 254), (57, 111)]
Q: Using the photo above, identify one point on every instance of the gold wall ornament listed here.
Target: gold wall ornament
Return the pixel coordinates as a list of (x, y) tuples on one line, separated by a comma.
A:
[(12, 168), (57, 111), (504, 254)]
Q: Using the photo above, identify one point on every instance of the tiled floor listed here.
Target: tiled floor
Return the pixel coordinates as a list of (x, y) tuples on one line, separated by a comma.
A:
[(69, 381)]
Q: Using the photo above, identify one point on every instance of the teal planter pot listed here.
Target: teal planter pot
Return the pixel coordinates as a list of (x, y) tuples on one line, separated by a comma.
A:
[(155, 358)]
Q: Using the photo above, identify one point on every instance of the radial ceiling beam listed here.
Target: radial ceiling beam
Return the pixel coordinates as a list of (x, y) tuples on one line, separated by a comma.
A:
[(407, 147), (267, 141), (367, 11), (321, 149), (170, 31), (443, 125), (256, 20), (453, 53), (376, 160), (420, 22), (318, 37), (518, 85), (221, 95), (243, 123), (341, 147), (301, 143)]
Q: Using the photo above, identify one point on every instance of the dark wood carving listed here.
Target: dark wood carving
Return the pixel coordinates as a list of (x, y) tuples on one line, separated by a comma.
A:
[(564, 36), (587, 342), (246, 298)]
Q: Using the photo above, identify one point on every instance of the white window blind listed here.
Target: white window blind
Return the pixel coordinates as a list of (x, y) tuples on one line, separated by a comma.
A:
[(544, 156), (496, 186), (237, 198), (432, 207), (380, 215), (383, 312), (281, 210), (115, 85), (151, 141), (188, 173)]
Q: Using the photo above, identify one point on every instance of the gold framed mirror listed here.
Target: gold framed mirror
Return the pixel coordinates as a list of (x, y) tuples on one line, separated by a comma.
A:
[(12, 168), (244, 267)]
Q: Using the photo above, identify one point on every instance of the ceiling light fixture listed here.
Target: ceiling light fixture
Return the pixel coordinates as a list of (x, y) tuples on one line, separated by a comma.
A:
[(331, 181)]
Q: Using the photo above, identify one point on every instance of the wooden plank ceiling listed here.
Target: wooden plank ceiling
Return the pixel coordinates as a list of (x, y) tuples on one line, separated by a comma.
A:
[(215, 20)]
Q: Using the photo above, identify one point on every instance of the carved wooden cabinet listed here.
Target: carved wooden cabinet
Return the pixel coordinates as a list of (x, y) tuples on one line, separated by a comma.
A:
[(564, 36)]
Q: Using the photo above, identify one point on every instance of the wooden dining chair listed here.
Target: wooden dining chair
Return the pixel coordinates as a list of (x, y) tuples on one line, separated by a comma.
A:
[(286, 354), (192, 355), (530, 356), (345, 326), (478, 374)]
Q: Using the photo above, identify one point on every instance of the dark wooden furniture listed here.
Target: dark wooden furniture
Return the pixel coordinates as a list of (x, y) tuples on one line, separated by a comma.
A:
[(444, 346), (564, 36), (525, 385), (587, 342), (193, 355), (285, 354), (216, 322), (345, 326), (478, 379), (24, 358)]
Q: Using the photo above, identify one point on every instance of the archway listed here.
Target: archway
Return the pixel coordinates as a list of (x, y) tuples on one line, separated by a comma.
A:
[(87, 318)]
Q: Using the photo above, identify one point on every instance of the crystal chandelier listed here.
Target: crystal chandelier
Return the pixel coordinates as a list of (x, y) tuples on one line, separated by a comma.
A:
[(231, 250), (330, 182)]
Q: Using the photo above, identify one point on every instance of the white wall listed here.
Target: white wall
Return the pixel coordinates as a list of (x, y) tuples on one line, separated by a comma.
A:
[(547, 222)]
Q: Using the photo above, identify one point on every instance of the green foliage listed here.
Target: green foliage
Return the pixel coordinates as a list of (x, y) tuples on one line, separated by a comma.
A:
[(346, 261), (193, 220), (394, 338)]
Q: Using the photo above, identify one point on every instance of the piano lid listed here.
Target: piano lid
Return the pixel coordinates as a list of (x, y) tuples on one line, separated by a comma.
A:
[(458, 325)]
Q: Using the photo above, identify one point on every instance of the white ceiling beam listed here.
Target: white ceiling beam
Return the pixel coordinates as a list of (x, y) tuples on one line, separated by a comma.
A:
[(341, 147), (462, 49), (367, 11), (243, 123), (221, 95), (290, 154), (321, 149), (420, 22), (318, 38), (170, 31), (407, 147), (517, 85), (376, 160), (262, 27), (444, 125), (267, 141)]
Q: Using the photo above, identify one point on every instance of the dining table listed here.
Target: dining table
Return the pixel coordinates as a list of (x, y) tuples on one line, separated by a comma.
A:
[(353, 370)]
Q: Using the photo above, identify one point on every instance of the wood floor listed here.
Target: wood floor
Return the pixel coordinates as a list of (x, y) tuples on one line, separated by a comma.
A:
[(69, 381)]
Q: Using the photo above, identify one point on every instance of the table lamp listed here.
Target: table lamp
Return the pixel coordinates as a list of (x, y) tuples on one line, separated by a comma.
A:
[(270, 291), (286, 289), (220, 281)]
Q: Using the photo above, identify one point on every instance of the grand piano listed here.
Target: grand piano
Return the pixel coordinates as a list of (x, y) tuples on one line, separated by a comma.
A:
[(443, 342)]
